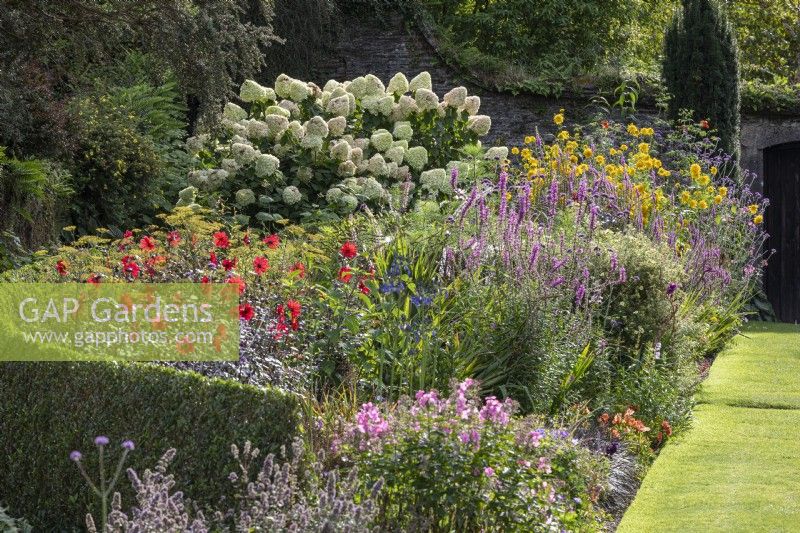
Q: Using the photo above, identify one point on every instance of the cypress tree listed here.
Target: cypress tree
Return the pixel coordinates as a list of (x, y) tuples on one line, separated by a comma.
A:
[(701, 69)]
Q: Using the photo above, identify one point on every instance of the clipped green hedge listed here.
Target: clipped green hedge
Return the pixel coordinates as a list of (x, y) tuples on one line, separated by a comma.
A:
[(49, 409)]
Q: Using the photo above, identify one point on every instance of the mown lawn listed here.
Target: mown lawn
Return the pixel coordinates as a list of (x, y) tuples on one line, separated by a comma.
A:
[(738, 468)]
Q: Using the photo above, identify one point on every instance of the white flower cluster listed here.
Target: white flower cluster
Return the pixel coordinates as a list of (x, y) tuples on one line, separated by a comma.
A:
[(355, 141)]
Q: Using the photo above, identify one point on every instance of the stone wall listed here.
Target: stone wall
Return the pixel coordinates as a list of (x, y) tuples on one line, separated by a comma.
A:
[(385, 48)]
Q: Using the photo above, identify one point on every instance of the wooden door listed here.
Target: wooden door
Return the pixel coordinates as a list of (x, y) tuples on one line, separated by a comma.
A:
[(782, 187)]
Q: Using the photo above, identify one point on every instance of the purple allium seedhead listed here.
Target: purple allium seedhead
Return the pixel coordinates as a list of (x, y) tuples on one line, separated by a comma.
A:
[(75, 455), (101, 440), (128, 445)]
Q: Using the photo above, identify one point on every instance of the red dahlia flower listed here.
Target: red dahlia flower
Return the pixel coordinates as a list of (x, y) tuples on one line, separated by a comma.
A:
[(221, 240), (348, 250), (260, 265), (272, 241)]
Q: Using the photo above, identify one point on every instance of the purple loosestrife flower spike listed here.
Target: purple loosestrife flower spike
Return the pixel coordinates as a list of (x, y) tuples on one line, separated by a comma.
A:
[(101, 440), (502, 185), (128, 445), (75, 455), (454, 178)]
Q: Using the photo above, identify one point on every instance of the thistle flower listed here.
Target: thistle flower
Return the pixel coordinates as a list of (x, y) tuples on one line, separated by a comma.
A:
[(420, 81), (426, 99), (291, 195), (455, 97), (234, 112), (75, 456), (398, 85), (101, 440), (381, 140), (128, 445), (417, 157), (251, 91), (480, 124)]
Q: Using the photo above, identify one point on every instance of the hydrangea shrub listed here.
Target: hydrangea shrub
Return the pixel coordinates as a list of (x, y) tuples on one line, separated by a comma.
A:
[(297, 147)]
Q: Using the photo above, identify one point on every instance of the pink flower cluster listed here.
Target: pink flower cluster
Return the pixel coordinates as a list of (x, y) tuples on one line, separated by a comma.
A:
[(370, 422)]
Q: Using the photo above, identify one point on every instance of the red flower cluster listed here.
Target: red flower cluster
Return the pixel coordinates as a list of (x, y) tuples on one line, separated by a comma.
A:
[(348, 250), (173, 239), (147, 244), (61, 267), (260, 265), (272, 241), (221, 240), (130, 267), (246, 311), (623, 422)]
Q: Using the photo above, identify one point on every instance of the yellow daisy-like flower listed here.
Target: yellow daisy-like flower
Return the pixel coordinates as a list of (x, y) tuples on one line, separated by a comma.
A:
[(624, 148), (558, 119), (703, 204), (563, 135), (693, 204), (663, 172), (515, 150), (695, 170), (685, 197), (600, 160), (644, 148), (649, 132), (587, 152), (753, 208), (714, 171), (613, 151), (703, 180), (718, 199), (758, 219), (633, 130), (723, 191), (530, 139)]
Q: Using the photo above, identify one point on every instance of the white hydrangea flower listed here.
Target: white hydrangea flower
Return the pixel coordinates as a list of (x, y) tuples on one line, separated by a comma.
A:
[(480, 124), (251, 91), (305, 174), (436, 180), (282, 85), (441, 110), (361, 142), (357, 87), (245, 197), (373, 85), (426, 99), (323, 100), (187, 196), (400, 173), (405, 107), (277, 124), (240, 139), (234, 112), (351, 101), (472, 104), (291, 107), (291, 195), (333, 195), (317, 127), (403, 130), (372, 189), (330, 85), (496, 153), (216, 178), (417, 157), (391, 168), (229, 165), (312, 142), (378, 105), (278, 110), (296, 130), (455, 97), (420, 81), (362, 166), (348, 202), (395, 154), (196, 143), (299, 91), (316, 92), (234, 128), (381, 140), (256, 129), (198, 178), (266, 165), (336, 126), (281, 150), (347, 169), (243, 153), (377, 165), (398, 84), (340, 151), (356, 155), (339, 106), (401, 142)]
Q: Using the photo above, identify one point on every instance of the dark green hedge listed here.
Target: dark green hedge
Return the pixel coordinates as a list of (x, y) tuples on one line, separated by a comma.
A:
[(49, 409)]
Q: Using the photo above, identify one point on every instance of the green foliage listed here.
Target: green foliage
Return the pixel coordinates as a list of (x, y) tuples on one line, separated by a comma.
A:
[(50, 409), (701, 69), (129, 153), (13, 525)]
